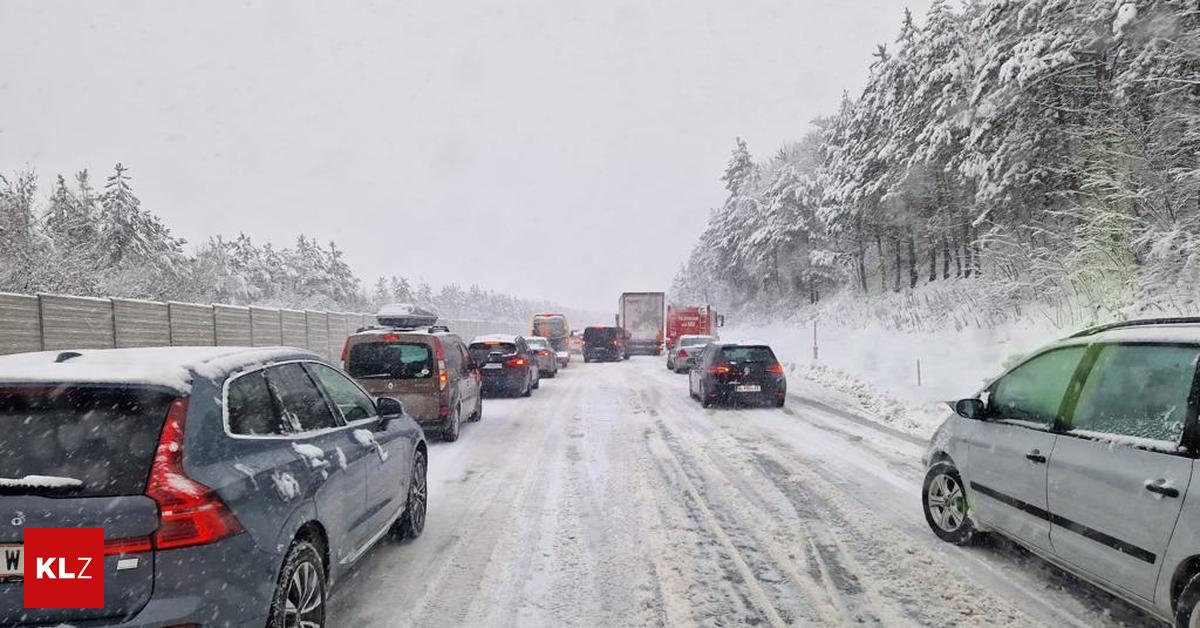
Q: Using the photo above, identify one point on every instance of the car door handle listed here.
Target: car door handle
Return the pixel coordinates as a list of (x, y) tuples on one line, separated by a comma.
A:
[(1036, 456), (1160, 486)]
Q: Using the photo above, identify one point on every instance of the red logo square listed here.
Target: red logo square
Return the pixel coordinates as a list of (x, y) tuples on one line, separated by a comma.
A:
[(64, 568)]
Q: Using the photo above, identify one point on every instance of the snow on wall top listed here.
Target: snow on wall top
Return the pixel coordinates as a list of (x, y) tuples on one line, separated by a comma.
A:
[(170, 367)]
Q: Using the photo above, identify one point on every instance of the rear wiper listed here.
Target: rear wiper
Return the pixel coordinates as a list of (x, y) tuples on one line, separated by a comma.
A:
[(375, 376), (40, 485)]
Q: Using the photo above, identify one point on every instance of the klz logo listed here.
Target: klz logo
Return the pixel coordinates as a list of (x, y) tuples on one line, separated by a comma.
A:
[(64, 568)]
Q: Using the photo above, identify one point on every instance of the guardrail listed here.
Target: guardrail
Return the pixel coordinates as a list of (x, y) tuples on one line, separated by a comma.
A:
[(44, 322)]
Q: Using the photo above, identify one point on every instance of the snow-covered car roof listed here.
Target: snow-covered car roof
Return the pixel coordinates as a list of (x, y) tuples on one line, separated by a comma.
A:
[(495, 338), (683, 336), (537, 339), (1184, 333), (169, 367)]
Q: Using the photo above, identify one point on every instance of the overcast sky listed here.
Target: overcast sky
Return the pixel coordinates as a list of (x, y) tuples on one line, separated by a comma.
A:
[(560, 150)]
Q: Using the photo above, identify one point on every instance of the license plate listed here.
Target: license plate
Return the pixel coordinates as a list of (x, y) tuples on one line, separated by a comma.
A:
[(493, 365), (12, 560), (748, 388)]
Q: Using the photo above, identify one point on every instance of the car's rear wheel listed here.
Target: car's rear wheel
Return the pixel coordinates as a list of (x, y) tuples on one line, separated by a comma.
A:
[(779, 403), (411, 523), (947, 511), (454, 426), (478, 414), (528, 390), (299, 598)]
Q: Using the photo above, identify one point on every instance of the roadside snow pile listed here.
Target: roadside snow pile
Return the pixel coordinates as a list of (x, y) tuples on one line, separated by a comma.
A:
[(838, 388)]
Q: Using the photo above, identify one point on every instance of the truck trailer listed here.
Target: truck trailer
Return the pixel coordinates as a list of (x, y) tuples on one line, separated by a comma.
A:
[(640, 314)]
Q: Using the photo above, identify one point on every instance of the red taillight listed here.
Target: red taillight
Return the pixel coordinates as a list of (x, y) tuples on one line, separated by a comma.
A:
[(440, 354), (345, 351), (189, 512), (683, 354), (516, 362), (544, 353), (720, 369), (775, 369), (616, 343), (134, 545)]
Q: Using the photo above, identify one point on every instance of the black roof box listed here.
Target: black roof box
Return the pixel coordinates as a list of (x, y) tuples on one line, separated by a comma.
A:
[(405, 316)]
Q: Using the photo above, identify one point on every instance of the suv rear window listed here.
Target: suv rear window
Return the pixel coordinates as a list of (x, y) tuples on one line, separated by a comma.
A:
[(695, 341), (390, 360), (600, 334), (537, 344), (747, 354), (481, 351), (102, 436)]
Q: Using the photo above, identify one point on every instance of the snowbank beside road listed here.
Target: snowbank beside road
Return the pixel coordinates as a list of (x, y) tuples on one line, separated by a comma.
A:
[(873, 370)]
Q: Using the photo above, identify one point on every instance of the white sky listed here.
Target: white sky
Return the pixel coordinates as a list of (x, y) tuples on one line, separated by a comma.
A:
[(427, 138)]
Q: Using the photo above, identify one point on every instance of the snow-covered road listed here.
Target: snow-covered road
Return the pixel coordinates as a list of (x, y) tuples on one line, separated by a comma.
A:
[(610, 498)]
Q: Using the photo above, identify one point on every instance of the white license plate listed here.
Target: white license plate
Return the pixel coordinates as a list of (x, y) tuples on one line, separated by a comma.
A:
[(493, 365), (748, 388), (12, 560)]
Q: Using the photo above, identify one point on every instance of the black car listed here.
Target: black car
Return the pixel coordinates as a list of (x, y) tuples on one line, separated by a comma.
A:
[(737, 373), (507, 364), (603, 343)]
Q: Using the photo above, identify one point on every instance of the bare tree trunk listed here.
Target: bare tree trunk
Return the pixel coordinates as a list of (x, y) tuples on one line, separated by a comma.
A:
[(861, 257), (912, 260), (899, 262), (932, 260), (967, 259), (945, 258), (958, 269), (882, 263)]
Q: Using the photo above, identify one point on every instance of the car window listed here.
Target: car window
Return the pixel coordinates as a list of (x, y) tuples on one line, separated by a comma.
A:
[(463, 358), (1033, 391), (748, 354), (301, 404), (103, 437), (538, 345), (694, 342), (353, 403), (252, 409), (390, 360), (1137, 390), (600, 334), (483, 350), (453, 358)]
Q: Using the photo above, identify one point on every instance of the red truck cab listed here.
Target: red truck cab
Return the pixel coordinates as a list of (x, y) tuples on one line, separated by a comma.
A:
[(700, 320)]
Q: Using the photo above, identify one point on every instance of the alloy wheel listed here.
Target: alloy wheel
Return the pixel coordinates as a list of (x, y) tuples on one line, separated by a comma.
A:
[(947, 503), (304, 605)]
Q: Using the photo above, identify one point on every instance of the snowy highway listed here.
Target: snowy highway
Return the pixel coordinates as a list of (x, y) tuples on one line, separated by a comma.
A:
[(610, 498)]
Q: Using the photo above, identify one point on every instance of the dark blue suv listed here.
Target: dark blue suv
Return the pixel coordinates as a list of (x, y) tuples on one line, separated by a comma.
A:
[(233, 485)]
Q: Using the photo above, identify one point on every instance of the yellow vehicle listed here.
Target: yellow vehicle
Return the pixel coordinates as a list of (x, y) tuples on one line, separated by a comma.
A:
[(555, 329)]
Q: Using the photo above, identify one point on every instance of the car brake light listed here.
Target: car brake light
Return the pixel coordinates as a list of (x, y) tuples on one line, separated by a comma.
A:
[(683, 354), (616, 343), (345, 350), (134, 545), (544, 353), (775, 368), (189, 512), (440, 354), (720, 369), (391, 337), (516, 362)]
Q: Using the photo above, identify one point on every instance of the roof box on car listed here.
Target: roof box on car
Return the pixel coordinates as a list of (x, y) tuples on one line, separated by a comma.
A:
[(405, 315)]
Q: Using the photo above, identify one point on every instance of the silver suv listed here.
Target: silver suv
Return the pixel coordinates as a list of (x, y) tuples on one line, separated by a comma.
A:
[(1084, 453)]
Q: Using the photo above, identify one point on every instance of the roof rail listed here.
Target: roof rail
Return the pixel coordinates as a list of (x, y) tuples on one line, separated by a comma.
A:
[(1141, 322)]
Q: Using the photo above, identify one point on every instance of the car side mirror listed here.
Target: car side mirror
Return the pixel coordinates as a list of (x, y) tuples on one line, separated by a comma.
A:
[(970, 409), (388, 407)]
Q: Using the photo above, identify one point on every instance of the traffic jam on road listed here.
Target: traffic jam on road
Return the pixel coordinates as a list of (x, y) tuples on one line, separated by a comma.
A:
[(268, 486)]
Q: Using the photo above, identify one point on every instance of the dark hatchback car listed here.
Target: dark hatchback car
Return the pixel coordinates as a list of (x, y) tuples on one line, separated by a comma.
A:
[(507, 364), (603, 343), (233, 485), (737, 374)]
